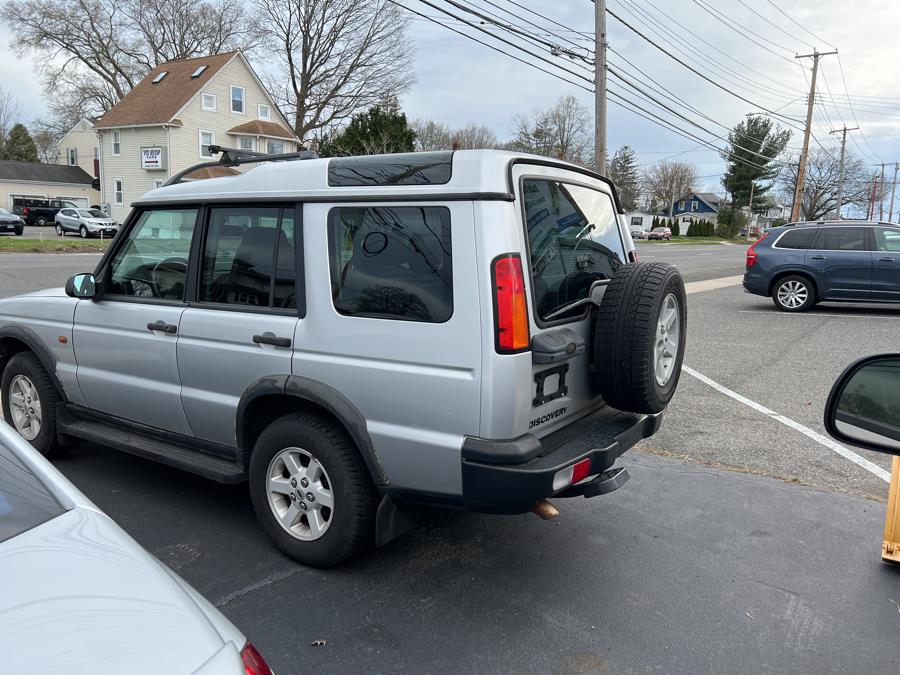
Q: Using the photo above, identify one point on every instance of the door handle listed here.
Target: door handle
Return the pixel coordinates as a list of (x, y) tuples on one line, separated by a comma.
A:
[(162, 327), (271, 339), (885, 260), (817, 257)]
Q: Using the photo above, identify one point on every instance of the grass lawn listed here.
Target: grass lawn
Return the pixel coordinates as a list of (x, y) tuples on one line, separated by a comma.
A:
[(695, 240), (22, 245)]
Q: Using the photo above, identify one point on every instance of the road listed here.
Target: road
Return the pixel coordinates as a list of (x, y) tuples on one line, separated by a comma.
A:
[(771, 565)]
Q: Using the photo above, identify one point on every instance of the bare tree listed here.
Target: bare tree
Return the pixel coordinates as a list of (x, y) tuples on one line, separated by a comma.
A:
[(431, 135), (335, 57), (10, 112), (561, 132), (820, 186), (92, 52), (663, 179)]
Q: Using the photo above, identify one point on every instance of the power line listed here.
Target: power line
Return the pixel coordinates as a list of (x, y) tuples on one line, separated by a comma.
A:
[(847, 91), (800, 25), (776, 26), (536, 25), (730, 23)]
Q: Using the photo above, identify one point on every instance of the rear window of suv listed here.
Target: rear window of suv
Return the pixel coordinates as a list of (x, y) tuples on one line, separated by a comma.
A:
[(802, 238), (573, 240)]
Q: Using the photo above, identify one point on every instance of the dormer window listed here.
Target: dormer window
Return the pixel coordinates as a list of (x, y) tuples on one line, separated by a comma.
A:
[(199, 71), (158, 78), (265, 112)]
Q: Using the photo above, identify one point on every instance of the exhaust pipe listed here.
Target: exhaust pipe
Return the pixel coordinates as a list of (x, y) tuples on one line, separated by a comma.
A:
[(545, 510)]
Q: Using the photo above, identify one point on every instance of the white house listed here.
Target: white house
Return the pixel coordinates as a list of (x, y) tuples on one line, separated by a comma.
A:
[(171, 117), (639, 220), (80, 147)]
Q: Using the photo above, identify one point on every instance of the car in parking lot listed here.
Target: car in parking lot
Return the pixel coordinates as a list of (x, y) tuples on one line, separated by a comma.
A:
[(660, 233), (81, 596), (638, 233), (466, 329), (11, 223), (85, 222), (801, 264), (38, 211)]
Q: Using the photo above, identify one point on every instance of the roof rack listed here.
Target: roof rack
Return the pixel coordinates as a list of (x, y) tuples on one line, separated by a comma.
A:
[(235, 157)]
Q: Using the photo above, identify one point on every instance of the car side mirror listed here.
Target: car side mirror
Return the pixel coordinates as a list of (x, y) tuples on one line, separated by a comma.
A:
[(864, 404), (81, 286)]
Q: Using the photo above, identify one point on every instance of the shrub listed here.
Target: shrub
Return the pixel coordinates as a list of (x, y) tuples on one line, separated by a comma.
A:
[(676, 228)]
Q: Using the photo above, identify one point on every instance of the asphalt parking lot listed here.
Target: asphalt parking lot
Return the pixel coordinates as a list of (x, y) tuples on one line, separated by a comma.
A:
[(740, 544)]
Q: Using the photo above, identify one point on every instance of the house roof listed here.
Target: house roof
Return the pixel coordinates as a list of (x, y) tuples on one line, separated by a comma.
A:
[(710, 198), (43, 173), (151, 104), (262, 128)]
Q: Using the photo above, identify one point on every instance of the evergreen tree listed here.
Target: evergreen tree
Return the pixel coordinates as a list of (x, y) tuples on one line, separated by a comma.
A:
[(624, 173), (381, 130), (754, 144), (19, 145)]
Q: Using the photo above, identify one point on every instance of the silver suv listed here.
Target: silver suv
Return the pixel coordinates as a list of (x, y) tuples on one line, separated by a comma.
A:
[(353, 335)]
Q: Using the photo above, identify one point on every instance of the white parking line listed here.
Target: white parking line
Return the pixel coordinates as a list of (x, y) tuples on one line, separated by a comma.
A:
[(801, 314), (787, 421)]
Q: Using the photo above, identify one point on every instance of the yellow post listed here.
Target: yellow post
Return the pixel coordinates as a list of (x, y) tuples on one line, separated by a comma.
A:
[(890, 549)]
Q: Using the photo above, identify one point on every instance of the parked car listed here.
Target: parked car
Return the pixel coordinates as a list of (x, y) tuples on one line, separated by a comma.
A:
[(799, 265), (10, 222), (638, 233), (86, 222), (39, 211), (81, 596), (443, 351), (660, 233)]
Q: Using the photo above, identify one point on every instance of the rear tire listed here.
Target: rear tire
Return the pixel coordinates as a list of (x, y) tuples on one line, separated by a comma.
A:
[(333, 470), (41, 221), (26, 380), (794, 293), (639, 337)]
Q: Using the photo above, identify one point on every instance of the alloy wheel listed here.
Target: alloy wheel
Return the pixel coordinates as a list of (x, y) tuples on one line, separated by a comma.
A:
[(25, 406), (668, 333), (793, 294), (300, 494)]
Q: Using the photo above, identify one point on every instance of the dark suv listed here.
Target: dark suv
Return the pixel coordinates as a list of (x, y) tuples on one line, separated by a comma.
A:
[(800, 264)]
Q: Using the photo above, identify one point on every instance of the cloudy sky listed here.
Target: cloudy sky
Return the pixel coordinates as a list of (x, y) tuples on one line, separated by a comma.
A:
[(460, 81)]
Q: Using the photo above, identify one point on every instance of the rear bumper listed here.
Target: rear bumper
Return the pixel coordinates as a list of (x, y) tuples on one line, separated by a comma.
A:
[(756, 284), (510, 476)]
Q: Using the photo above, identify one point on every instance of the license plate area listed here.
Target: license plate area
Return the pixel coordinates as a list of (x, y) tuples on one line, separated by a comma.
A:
[(550, 384)]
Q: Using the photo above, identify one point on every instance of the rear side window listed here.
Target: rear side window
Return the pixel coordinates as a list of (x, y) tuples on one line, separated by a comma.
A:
[(844, 239), (573, 239), (391, 262), (24, 501), (419, 168), (887, 240), (249, 258), (802, 239)]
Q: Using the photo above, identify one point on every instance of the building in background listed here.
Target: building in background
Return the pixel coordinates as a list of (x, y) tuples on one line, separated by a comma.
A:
[(80, 147), (171, 117), (31, 180), (696, 206)]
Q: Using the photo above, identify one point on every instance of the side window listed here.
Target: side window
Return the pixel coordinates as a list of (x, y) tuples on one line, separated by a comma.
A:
[(887, 240), (249, 257), (573, 239), (799, 239), (844, 238), (153, 261), (391, 262)]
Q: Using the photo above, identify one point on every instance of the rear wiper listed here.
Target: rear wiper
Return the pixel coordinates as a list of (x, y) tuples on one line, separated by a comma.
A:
[(584, 232)]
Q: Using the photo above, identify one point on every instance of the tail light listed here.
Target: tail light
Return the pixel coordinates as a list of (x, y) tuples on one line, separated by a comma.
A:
[(510, 306), (254, 663), (751, 252), (572, 474), (26, 211), (633, 256)]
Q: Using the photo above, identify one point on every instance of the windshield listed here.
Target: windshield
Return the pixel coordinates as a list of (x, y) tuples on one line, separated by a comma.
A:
[(574, 240), (25, 502), (4, 212), (91, 213)]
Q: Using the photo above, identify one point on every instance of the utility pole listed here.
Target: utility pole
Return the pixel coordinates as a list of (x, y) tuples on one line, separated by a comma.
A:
[(870, 213), (600, 86), (880, 197), (893, 193), (840, 195), (750, 208), (801, 169)]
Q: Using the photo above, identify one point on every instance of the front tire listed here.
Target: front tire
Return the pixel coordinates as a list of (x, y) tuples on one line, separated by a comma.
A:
[(639, 337), (19, 231), (311, 492), (794, 294), (83, 231), (29, 402), (59, 230)]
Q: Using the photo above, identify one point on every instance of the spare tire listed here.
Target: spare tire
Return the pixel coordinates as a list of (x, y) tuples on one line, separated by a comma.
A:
[(639, 337)]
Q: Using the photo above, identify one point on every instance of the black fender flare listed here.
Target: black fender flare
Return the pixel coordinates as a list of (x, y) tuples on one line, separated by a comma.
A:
[(36, 346), (319, 394)]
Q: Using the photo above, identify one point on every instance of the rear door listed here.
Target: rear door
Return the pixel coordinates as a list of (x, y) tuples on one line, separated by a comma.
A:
[(241, 326), (842, 263), (886, 265), (573, 238)]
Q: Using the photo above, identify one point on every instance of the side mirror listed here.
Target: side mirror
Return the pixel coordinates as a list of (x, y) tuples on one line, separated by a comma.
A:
[(81, 286), (864, 404)]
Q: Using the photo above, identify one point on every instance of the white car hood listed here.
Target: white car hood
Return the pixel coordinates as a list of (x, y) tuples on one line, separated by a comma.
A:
[(77, 595)]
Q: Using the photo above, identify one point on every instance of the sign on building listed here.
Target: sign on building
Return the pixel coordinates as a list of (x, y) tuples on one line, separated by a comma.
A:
[(152, 159)]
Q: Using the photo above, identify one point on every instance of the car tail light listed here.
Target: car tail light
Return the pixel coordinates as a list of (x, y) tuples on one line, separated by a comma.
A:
[(633, 256), (751, 252), (571, 474), (510, 306), (254, 663), (26, 211)]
